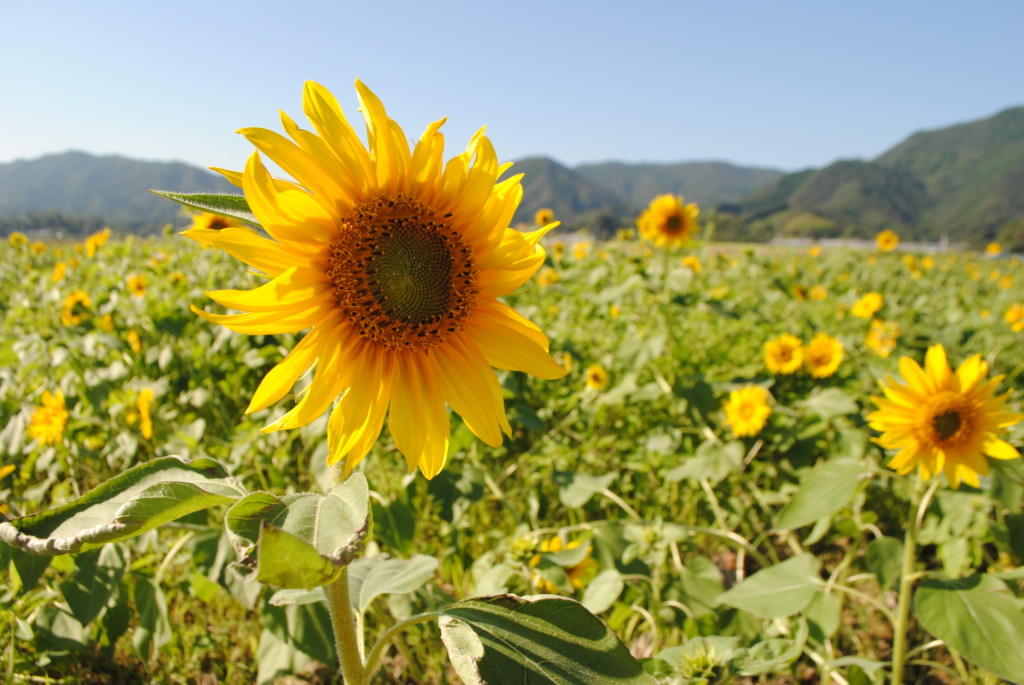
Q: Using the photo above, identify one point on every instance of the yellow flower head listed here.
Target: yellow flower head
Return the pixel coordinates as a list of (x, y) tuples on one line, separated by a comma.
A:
[(546, 277), (394, 261), (614, 311), (747, 410), (692, 263), (823, 355), (177, 278), (667, 222), (37, 247), (625, 234), (544, 216), (48, 421), (579, 575), (566, 360), (882, 337), (76, 308), (817, 292), (144, 402), (887, 240), (207, 221), (941, 420), (17, 239), (993, 249), (580, 249), (784, 355), (1015, 317), (814, 251), (800, 293), (558, 250), (867, 306), (134, 341), (95, 241), (137, 285), (107, 323), (59, 270), (597, 377), (1006, 282), (927, 263)]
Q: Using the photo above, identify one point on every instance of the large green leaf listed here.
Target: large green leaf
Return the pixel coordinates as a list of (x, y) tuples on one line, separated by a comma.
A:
[(129, 504), (778, 590), (539, 640), (302, 540), (978, 617), (225, 204), (823, 491)]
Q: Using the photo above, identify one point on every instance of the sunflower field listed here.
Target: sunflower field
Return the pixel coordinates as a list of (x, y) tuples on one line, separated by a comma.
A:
[(696, 463)]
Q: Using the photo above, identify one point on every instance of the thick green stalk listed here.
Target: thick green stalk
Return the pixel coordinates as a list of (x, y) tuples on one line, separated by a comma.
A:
[(344, 624), (907, 578)]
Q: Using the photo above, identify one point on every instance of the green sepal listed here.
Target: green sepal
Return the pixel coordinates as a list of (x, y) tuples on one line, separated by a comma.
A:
[(225, 204)]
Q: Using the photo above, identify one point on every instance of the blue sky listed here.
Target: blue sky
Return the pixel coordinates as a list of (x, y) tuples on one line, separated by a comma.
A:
[(766, 83)]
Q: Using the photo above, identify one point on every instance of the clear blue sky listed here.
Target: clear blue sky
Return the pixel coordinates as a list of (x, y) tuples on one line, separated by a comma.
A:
[(766, 83)]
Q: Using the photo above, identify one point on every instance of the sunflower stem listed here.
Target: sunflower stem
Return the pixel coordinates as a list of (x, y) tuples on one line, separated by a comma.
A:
[(344, 624), (919, 503)]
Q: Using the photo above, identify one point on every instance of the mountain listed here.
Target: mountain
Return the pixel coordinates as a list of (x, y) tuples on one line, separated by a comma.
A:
[(964, 181), (546, 183), (109, 189)]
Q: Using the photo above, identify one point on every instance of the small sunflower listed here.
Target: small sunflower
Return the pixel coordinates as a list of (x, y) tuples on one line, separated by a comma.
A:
[(579, 575), (546, 277), (76, 308), (941, 420), (867, 306), (817, 292), (597, 377), (692, 263), (48, 421), (134, 341), (823, 355), (137, 285), (37, 247), (993, 249), (558, 250), (747, 410), (206, 221), (581, 249), (1015, 317), (60, 269), (393, 260), (17, 239), (544, 216), (882, 337), (784, 355), (667, 222), (144, 402), (887, 240)]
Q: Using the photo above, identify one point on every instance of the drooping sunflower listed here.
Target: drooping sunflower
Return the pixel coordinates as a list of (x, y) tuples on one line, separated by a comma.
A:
[(394, 261), (823, 355), (784, 355), (667, 222), (887, 240), (941, 420), (49, 419), (747, 410)]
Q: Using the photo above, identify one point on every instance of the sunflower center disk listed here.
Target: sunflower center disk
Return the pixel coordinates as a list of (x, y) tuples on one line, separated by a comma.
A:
[(403, 277), (674, 224), (951, 418)]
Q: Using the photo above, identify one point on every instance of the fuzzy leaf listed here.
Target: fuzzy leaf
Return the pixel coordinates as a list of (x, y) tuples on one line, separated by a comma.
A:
[(225, 204)]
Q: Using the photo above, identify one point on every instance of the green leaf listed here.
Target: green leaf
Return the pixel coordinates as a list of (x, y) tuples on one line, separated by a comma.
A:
[(538, 641), (778, 590), (885, 558), (305, 628), (141, 498), (465, 649), (225, 204), (769, 656), (978, 617), (712, 460), (57, 631), (376, 576), (823, 615), (700, 584), (602, 591), (830, 403), (576, 489), (96, 578), (154, 628), (302, 540), (823, 490)]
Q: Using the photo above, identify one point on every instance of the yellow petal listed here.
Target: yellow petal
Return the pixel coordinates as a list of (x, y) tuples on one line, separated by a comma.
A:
[(262, 323), (290, 215), (1000, 449), (294, 289), (282, 377), (266, 255), (358, 417)]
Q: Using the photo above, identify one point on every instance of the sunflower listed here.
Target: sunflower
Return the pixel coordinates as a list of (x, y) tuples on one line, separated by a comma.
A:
[(214, 222), (597, 377), (578, 575), (59, 271), (48, 420), (941, 420), (692, 263), (544, 216), (1015, 317), (887, 240), (747, 410), (784, 355), (558, 250), (144, 402), (76, 308), (95, 241), (137, 285), (867, 306), (17, 239), (993, 249), (882, 337), (547, 276), (394, 261), (667, 222), (822, 355), (817, 292)]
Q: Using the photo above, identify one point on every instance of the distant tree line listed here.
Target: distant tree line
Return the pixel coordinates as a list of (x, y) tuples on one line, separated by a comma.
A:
[(53, 221)]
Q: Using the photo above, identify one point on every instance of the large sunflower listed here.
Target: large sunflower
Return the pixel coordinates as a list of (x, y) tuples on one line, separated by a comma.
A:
[(394, 261), (667, 222), (941, 420)]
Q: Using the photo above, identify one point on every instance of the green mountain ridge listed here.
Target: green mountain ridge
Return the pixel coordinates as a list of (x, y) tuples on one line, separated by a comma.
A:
[(965, 182)]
